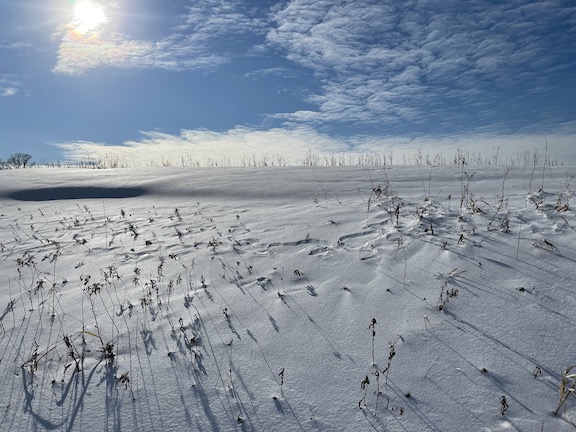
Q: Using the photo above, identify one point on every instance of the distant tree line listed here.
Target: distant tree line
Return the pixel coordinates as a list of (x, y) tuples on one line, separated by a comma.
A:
[(17, 160)]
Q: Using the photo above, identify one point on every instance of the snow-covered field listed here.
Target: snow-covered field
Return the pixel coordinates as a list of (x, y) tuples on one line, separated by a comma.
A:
[(287, 299)]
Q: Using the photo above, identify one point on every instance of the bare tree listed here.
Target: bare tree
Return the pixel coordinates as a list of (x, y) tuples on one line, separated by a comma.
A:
[(19, 160)]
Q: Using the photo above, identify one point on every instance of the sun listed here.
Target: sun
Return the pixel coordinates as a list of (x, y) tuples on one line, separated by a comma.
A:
[(88, 16)]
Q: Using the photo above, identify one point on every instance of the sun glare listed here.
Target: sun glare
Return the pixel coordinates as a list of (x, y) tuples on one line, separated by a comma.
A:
[(88, 16)]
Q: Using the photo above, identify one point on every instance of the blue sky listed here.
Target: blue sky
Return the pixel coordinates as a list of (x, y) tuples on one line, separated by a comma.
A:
[(206, 78)]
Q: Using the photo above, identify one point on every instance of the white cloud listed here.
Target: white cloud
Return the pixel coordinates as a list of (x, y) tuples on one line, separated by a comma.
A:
[(292, 146), (276, 71), (389, 61), (208, 19), (207, 147), (8, 86), (199, 40), (78, 56), (17, 46), (7, 91)]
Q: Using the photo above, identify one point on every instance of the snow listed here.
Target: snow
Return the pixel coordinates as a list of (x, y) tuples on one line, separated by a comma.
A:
[(398, 298)]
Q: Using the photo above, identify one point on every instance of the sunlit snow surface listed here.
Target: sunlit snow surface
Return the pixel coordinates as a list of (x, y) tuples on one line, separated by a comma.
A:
[(258, 299)]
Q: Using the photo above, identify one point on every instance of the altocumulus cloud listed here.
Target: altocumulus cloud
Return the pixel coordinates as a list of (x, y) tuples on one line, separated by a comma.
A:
[(189, 46), (435, 75), (395, 61)]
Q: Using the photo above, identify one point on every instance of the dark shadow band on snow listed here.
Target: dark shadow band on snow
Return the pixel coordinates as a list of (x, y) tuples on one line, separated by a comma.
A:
[(73, 193)]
